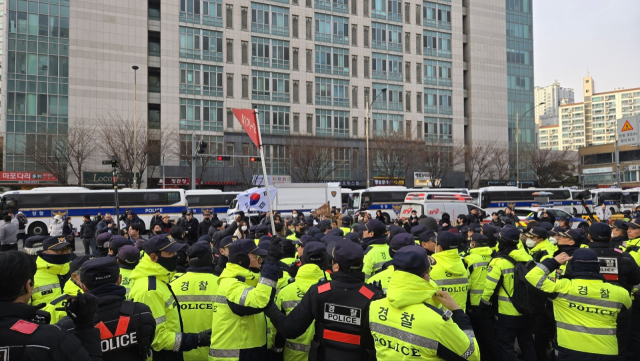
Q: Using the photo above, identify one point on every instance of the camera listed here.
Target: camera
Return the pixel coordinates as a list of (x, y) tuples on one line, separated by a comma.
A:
[(582, 195)]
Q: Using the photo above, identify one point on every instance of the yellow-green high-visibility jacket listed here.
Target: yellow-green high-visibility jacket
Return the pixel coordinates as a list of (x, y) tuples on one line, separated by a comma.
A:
[(585, 309), (292, 237), (375, 257), (500, 267), (177, 275), (543, 250), (52, 306), (308, 275), (383, 277), (450, 274), (345, 230), (195, 292), (238, 320), (633, 248), (477, 262), (71, 288), (151, 287), (288, 261), (127, 282), (46, 282), (405, 326)]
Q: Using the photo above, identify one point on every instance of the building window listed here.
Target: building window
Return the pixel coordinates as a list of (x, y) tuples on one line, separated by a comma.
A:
[(190, 114), (189, 43), (308, 31), (354, 127), (437, 44), (294, 26), (354, 97), (408, 102), (153, 82), (309, 123), (215, 146), (437, 101), (229, 16), (153, 118), (212, 13), (270, 86), (212, 81), (332, 60), (438, 130), (245, 87), (332, 92), (354, 66), (230, 118), (366, 36), (386, 10), (437, 73), (229, 85), (309, 61), (309, 92), (296, 66), (274, 119), (296, 123), (154, 43), (212, 45), (387, 67), (277, 159), (190, 11), (354, 35), (154, 10), (245, 53), (386, 37), (212, 116), (331, 28), (332, 123), (189, 78), (230, 51), (390, 99), (383, 124), (269, 53), (296, 92), (339, 6), (436, 15), (269, 19)]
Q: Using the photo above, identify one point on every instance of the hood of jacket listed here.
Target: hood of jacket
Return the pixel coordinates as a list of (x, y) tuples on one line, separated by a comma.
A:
[(373, 240), (147, 268), (482, 251), (307, 276), (234, 271), (450, 261), (407, 289), (54, 269)]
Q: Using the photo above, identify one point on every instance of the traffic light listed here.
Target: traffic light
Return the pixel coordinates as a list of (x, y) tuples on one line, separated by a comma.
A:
[(223, 157), (255, 159), (201, 147)]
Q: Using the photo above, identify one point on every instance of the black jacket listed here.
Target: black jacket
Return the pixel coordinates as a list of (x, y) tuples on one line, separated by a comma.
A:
[(474, 218), (103, 226), (203, 227), (616, 242), (155, 220), (216, 235), (88, 229), (499, 223), (550, 218), (191, 229), (111, 309), (45, 342), (625, 272)]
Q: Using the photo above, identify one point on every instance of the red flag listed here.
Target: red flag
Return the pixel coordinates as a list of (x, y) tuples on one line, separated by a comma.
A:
[(247, 118)]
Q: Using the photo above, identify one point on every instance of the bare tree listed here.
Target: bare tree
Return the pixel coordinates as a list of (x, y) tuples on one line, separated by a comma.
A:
[(478, 161), (502, 166), (394, 154), (312, 160), (548, 165), (439, 159), (132, 153), (247, 170), (184, 152), (59, 153)]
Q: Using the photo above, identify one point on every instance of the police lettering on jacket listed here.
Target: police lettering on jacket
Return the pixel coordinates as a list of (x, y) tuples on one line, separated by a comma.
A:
[(117, 342)]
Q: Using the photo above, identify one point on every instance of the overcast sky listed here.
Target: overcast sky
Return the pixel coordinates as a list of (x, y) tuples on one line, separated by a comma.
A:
[(571, 36)]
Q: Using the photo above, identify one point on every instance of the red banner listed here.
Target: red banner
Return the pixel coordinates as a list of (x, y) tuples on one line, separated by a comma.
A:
[(27, 178), (247, 118)]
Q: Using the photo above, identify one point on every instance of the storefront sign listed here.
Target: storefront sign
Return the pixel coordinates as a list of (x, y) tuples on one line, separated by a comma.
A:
[(385, 181), (27, 178), (103, 178), (178, 181), (597, 170), (258, 180)]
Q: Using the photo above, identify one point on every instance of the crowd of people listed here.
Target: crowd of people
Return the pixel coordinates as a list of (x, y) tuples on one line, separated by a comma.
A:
[(324, 288)]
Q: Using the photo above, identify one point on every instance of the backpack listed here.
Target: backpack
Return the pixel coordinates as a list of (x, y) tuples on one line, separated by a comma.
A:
[(526, 298)]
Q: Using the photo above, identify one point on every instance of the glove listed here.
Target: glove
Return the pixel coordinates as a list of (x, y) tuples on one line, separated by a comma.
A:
[(82, 309), (270, 270), (204, 338), (275, 251)]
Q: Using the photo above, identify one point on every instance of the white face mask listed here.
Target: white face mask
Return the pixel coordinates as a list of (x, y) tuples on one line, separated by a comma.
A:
[(243, 228), (530, 243), (553, 240)]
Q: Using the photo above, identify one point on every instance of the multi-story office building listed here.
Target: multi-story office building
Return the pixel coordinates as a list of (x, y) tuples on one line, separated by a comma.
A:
[(550, 137), (449, 73), (553, 97)]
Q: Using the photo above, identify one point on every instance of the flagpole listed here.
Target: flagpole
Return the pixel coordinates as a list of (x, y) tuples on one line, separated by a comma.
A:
[(264, 172)]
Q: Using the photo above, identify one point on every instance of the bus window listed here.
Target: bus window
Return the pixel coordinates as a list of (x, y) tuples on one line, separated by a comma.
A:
[(485, 199), (354, 201), (398, 197), (131, 199), (67, 200), (172, 198), (498, 196), (28, 201), (367, 201), (629, 198), (99, 199)]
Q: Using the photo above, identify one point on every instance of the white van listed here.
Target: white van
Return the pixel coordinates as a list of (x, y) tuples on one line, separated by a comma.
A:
[(435, 204)]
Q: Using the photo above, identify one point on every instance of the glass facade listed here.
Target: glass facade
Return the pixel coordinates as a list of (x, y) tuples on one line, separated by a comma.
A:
[(520, 84), (37, 79)]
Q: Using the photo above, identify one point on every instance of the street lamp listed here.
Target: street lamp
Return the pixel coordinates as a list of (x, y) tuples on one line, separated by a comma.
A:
[(135, 124), (518, 140), (367, 120)]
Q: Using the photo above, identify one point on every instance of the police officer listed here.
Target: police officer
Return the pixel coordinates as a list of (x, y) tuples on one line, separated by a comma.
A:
[(71, 288), (53, 269), (301, 243), (126, 328), (398, 242), (117, 242), (314, 259), (33, 245), (346, 224), (25, 333), (618, 234), (339, 307), (195, 291), (128, 258), (449, 272), (538, 244), (151, 286), (617, 268), (405, 327), (568, 242), (427, 240), (510, 324), (240, 299), (477, 263), (376, 249), (102, 243), (632, 246), (585, 307)]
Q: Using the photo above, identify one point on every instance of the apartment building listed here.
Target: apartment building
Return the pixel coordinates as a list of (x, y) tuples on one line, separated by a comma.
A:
[(439, 71), (553, 97), (550, 137)]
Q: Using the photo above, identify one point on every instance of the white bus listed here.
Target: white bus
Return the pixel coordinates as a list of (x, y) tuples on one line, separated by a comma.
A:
[(387, 199), (493, 199), (616, 199), (212, 200), (40, 205)]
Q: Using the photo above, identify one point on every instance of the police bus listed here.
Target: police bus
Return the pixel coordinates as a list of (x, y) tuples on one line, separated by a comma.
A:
[(616, 199), (40, 205), (493, 199), (387, 199), (212, 200)]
